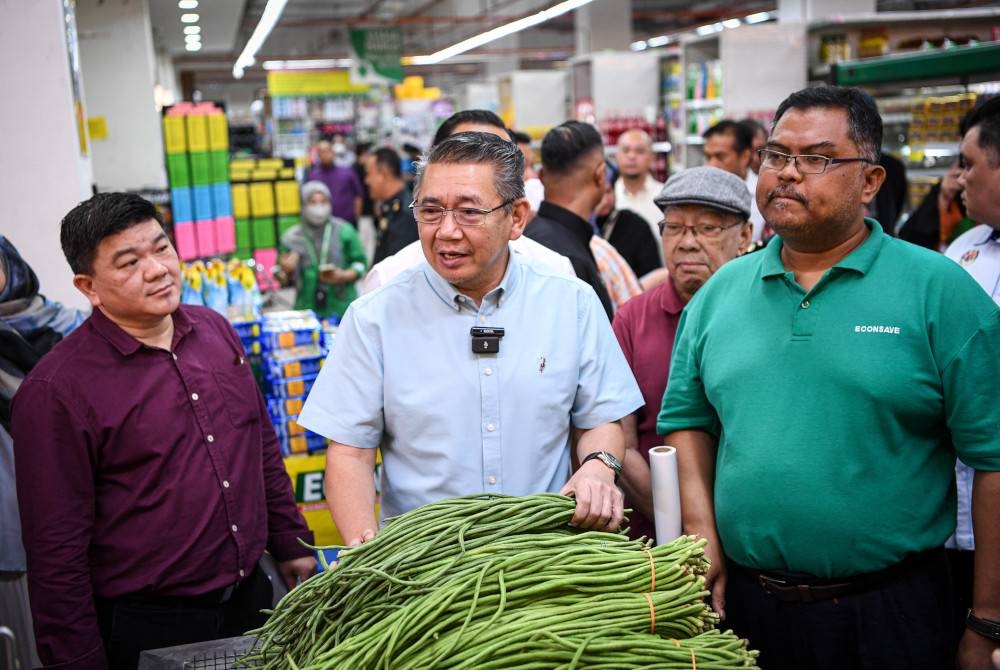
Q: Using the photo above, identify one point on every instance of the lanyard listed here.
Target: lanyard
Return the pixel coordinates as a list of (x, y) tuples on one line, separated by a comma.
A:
[(313, 252)]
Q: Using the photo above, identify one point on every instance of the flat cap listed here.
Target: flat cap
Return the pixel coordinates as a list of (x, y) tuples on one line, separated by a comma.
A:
[(708, 186)]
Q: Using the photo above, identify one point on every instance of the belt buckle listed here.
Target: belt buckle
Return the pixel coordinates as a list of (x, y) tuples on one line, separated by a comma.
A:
[(781, 588), (228, 592)]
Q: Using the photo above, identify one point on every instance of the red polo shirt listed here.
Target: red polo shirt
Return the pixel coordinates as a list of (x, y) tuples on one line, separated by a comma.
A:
[(646, 326)]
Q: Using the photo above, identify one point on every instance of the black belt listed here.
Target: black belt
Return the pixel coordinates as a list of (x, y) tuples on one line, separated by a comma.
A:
[(211, 598), (797, 587)]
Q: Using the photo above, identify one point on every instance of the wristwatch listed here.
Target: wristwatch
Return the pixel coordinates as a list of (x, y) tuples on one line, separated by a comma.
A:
[(985, 627), (608, 459)]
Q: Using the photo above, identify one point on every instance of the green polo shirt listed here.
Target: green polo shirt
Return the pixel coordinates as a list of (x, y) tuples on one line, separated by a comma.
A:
[(833, 408)]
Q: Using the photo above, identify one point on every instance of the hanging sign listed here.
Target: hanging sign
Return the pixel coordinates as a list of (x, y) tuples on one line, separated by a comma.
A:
[(376, 54)]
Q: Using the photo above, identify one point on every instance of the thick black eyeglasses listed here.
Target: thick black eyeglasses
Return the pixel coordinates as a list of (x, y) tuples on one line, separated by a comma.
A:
[(432, 215), (804, 163)]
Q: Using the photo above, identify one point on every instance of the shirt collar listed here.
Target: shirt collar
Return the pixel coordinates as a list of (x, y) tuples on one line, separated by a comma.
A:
[(128, 345), (993, 236), (670, 301), (580, 228), (860, 260), (454, 298)]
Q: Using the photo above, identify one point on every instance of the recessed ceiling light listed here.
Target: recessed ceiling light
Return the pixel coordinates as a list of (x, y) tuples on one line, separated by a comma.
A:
[(190, 39), (192, 30), (731, 23), (193, 46), (189, 18), (188, 4)]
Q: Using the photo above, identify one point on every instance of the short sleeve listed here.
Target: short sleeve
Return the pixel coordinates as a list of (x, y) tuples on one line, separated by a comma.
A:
[(685, 405), (607, 390), (346, 402), (972, 413)]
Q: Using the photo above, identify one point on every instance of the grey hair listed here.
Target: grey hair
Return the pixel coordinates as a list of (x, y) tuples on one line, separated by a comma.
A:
[(473, 147)]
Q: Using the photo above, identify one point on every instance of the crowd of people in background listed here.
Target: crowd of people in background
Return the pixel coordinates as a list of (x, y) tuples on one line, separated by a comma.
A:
[(825, 382)]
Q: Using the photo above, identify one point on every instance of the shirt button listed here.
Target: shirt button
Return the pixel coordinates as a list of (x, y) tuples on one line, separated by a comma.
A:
[(243, 573), (235, 528), (805, 304), (194, 396), (491, 479), (490, 427), (225, 483), (482, 319), (174, 355), (210, 439), (488, 371)]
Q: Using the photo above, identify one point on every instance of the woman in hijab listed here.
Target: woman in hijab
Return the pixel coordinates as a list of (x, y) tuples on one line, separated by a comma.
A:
[(30, 325), (323, 256)]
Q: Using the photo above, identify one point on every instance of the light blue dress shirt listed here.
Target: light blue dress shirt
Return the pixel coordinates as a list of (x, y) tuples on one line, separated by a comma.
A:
[(402, 374)]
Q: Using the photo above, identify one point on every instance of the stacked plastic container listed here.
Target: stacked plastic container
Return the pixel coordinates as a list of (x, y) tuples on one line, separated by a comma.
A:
[(294, 349), (266, 203), (196, 138)]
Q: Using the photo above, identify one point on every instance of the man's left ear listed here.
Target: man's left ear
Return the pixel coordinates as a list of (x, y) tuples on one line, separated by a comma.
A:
[(874, 176), (520, 216)]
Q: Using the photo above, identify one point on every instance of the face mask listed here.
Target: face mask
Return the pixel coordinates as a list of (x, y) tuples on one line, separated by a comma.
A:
[(316, 214)]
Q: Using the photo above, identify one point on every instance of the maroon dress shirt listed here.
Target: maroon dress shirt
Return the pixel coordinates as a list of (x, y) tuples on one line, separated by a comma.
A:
[(145, 472), (646, 326)]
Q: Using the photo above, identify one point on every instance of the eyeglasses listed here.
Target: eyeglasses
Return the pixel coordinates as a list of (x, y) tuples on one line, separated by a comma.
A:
[(804, 163), (432, 215), (706, 231)]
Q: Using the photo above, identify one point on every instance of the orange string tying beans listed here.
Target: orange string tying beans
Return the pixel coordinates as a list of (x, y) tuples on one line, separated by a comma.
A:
[(694, 661), (652, 613), (652, 570)]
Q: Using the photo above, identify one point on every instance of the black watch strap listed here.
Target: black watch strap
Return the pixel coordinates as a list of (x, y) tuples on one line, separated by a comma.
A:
[(608, 459), (985, 627)]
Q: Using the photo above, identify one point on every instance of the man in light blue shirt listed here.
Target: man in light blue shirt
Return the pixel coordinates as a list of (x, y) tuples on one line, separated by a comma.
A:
[(455, 412)]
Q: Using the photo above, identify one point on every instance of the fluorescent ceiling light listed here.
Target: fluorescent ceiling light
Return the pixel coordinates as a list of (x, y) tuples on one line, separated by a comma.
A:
[(315, 64), (272, 12), (660, 41), (731, 23), (188, 4), (501, 31), (189, 18), (192, 30), (759, 17), (190, 39), (638, 46), (193, 46), (706, 30)]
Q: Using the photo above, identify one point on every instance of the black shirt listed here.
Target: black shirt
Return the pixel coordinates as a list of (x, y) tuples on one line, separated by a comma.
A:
[(566, 233), (632, 237), (395, 225)]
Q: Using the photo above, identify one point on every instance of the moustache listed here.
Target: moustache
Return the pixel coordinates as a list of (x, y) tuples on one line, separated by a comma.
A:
[(785, 192)]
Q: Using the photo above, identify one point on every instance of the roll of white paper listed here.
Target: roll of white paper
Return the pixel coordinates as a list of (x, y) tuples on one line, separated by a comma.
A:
[(666, 493)]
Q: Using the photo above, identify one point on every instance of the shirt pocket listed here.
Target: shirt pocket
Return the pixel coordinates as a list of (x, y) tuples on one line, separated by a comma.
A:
[(239, 394)]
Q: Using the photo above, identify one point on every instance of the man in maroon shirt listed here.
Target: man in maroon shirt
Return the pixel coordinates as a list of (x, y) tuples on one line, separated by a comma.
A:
[(148, 474), (705, 212)]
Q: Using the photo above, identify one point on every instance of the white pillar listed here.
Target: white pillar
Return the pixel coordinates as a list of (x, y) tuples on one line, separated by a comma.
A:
[(119, 70), (606, 24), (45, 171)]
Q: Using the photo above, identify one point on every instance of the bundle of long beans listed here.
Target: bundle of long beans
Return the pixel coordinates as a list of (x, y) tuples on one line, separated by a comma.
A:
[(463, 582)]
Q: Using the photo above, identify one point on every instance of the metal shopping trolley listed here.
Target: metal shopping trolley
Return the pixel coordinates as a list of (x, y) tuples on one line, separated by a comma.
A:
[(213, 655)]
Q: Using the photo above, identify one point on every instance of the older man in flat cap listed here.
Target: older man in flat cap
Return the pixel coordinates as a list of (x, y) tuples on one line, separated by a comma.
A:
[(705, 224)]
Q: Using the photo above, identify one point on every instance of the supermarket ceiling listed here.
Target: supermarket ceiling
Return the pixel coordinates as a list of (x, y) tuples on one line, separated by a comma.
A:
[(319, 28)]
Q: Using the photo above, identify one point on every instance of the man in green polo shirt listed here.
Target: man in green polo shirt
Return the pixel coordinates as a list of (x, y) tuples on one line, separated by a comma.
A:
[(815, 392)]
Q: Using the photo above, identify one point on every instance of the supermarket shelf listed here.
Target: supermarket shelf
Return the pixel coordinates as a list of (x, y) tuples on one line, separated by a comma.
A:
[(708, 103), (956, 62), (897, 117)]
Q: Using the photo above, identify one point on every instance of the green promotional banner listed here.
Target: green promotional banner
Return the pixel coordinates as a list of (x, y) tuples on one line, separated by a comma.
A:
[(376, 54)]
